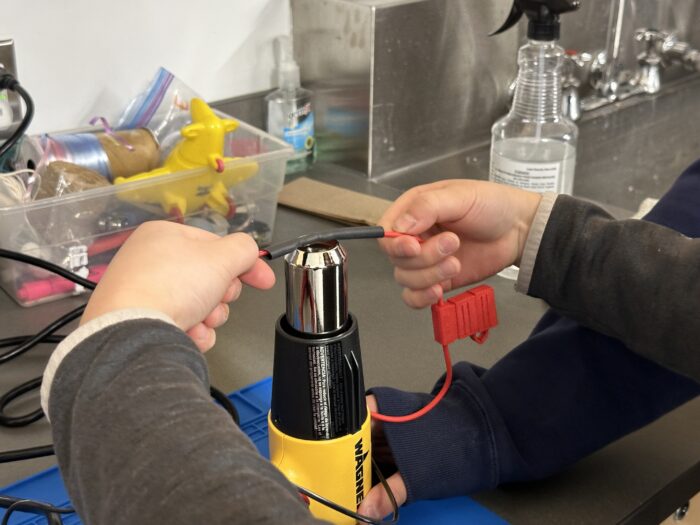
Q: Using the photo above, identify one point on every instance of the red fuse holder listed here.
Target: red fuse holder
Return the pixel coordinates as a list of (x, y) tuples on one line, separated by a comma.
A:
[(469, 314)]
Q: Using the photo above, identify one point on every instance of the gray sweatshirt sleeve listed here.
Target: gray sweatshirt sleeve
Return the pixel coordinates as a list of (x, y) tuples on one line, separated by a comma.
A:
[(139, 440), (633, 280)]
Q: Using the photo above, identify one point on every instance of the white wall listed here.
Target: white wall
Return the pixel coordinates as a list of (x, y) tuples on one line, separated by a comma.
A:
[(81, 58)]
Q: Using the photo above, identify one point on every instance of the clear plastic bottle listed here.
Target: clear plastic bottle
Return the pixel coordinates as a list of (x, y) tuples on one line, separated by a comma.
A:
[(290, 114), (534, 146)]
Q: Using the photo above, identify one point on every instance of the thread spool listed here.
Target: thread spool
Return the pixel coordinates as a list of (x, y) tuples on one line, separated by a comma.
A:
[(61, 177), (100, 152), (144, 155)]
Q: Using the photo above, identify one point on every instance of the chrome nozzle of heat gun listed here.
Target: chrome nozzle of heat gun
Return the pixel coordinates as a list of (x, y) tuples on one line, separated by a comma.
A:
[(317, 288)]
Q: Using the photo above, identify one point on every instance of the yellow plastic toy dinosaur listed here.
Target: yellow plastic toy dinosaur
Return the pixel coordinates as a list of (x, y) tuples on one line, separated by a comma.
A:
[(202, 148)]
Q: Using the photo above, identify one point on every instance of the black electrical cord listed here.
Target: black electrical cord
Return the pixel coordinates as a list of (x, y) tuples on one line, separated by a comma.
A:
[(7, 81), (21, 345), (32, 341), (48, 450), (46, 265), (18, 391), (21, 339), (226, 403), (339, 234), (51, 512), (22, 454), (352, 514)]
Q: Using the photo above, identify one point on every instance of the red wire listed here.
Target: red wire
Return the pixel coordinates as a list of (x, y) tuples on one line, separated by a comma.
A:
[(389, 234), (427, 408)]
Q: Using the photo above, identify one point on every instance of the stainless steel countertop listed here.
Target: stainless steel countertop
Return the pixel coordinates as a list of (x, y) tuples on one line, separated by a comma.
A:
[(398, 350)]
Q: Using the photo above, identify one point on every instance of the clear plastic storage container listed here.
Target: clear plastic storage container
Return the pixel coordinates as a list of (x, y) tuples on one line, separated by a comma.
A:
[(82, 231)]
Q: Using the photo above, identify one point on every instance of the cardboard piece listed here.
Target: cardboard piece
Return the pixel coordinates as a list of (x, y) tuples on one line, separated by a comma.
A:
[(332, 202)]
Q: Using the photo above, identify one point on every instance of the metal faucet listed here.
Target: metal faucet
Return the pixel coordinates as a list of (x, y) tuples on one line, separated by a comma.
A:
[(660, 50), (671, 50), (575, 69), (650, 60)]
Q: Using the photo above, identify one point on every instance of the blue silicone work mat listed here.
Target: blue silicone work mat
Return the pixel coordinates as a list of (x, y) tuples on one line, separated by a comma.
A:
[(253, 404)]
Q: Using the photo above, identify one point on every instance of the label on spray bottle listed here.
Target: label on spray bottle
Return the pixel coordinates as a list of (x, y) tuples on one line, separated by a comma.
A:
[(300, 132), (539, 177)]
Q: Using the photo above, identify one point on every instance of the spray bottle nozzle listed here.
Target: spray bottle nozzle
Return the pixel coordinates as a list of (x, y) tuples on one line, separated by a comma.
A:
[(287, 69), (542, 14)]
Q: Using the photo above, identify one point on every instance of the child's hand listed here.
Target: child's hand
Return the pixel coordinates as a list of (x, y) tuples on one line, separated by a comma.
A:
[(377, 503), (473, 229), (188, 274)]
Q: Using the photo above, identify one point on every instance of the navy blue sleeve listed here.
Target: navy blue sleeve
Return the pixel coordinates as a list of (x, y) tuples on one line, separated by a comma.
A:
[(563, 394), (457, 447)]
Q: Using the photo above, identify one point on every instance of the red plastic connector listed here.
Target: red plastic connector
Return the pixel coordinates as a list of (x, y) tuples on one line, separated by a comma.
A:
[(469, 314)]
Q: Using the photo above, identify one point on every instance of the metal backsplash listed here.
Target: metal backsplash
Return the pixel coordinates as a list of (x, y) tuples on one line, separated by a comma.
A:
[(400, 83)]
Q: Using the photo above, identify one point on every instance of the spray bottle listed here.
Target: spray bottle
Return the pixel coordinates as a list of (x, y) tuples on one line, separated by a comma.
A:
[(534, 146), (290, 114)]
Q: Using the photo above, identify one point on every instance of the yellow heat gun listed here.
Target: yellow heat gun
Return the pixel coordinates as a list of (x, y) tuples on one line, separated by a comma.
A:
[(319, 425)]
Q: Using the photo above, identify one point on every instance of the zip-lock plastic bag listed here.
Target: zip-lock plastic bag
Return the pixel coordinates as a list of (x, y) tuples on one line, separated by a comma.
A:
[(16, 189), (164, 108)]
